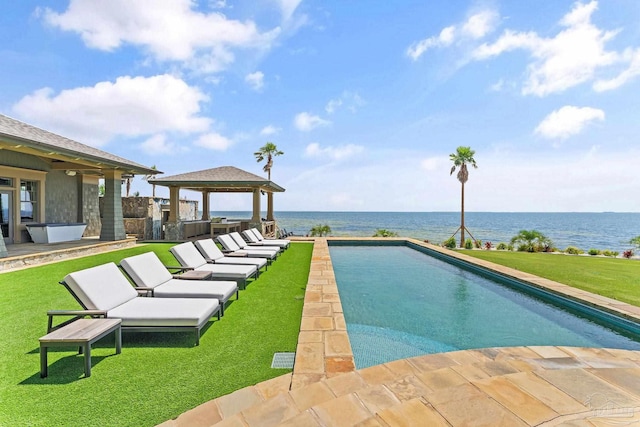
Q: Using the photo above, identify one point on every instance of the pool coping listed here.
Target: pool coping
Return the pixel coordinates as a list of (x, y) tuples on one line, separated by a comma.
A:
[(324, 350)]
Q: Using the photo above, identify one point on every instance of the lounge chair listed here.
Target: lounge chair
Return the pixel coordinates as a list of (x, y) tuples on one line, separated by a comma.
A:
[(230, 245), (104, 291), (190, 259), (246, 245), (213, 254), (254, 236), (149, 274)]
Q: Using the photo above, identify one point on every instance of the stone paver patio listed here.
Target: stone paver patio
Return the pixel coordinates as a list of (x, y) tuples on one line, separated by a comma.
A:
[(515, 386)]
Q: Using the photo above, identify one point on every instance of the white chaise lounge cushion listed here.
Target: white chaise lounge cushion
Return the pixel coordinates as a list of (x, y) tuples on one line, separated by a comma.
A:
[(179, 288), (101, 288), (260, 237), (146, 270), (165, 311), (210, 250), (253, 239), (260, 247), (188, 256), (231, 245)]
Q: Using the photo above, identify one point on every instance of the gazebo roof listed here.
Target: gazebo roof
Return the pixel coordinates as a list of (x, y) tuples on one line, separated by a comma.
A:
[(221, 179)]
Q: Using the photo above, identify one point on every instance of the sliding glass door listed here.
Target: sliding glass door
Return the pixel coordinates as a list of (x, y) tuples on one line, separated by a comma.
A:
[(6, 224)]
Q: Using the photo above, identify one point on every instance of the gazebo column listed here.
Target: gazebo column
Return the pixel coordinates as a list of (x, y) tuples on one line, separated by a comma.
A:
[(255, 218), (205, 205), (173, 227), (270, 207)]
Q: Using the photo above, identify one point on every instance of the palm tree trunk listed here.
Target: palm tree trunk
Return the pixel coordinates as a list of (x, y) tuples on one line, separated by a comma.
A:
[(462, 219)]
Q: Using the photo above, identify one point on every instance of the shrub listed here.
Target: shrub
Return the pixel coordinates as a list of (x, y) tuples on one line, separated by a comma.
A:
[(572, 250), (488, 245), (628, 253), (381, 232), (468, 244), (450, 243), (478, 244), (607, 252), (320, 230), (501, 246), (594, 251), (531, 241), (509, 247)]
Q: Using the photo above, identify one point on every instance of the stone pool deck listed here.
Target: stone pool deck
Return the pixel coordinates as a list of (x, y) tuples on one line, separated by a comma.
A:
[(519, 386)]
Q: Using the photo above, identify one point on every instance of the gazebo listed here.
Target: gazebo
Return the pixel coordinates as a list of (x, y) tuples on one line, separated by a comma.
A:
[(224, 179)]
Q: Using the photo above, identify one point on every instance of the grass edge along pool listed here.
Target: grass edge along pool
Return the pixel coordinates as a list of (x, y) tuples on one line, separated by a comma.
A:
[(599, 314)]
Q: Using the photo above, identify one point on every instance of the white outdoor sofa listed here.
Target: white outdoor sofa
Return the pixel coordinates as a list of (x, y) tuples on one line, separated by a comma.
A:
[(104, 291), (149, 274)]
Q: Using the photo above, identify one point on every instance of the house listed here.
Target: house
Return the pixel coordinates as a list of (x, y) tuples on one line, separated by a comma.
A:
[(47, 178)]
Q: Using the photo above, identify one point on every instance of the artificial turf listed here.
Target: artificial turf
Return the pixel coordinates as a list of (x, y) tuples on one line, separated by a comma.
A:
[(158, 375), (615, 278)]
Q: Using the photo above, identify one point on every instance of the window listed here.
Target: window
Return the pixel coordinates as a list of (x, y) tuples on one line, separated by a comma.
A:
[(28, 201), (6, 182)]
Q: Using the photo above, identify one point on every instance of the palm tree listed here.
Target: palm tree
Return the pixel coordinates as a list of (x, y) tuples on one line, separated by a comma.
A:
[(531, 241), (460, 158), (147, 177), (269, 150)]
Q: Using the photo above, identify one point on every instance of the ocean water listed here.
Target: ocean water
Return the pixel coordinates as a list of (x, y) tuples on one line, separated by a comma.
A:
[(606, 230)]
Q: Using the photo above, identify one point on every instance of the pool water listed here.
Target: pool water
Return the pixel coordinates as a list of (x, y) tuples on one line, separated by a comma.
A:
[(399, 303)]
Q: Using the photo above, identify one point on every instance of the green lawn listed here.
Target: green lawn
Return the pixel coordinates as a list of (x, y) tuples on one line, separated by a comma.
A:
[(611, 277), (158, 375)]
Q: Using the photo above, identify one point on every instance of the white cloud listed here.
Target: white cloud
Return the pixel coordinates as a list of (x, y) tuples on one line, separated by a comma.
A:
[(213, 141), (130, 106), (333, 105), (170, 30), (158, 145), (480, 24), (475, 27), (350, 100), (568, 121), (434, 163), (270, 130), (633, 70), (306, 122), (288, 7), (570, 58), (255, 80), (333, 153)]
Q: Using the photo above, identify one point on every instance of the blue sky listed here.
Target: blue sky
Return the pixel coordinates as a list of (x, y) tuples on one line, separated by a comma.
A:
[(366, 99)]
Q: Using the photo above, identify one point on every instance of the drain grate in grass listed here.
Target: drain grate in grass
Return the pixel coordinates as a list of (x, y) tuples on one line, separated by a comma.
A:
[(283, 360)]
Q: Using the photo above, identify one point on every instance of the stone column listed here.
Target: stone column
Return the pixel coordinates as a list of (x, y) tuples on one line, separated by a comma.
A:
[(174, 204), (255, 218), (205, 205), (173, 227), (112, 219)]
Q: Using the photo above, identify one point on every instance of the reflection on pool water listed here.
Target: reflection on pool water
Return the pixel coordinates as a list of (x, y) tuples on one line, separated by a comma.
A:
[(399, 302)]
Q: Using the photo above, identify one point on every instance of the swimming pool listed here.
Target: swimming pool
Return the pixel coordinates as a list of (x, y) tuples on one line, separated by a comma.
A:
[(399, 302)]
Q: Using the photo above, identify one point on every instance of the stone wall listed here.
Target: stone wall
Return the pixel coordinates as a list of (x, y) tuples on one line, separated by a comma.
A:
[(143, 217), (61, 197), (90, 198)]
